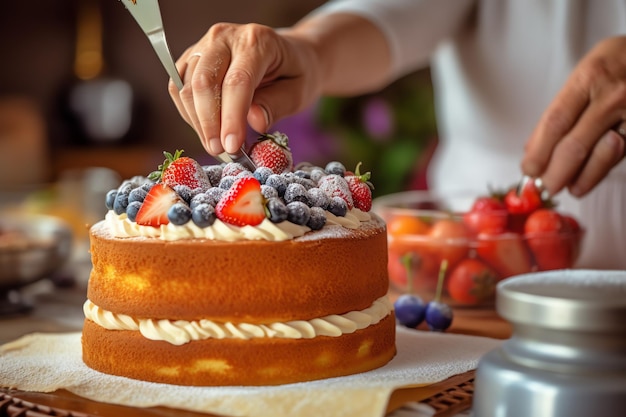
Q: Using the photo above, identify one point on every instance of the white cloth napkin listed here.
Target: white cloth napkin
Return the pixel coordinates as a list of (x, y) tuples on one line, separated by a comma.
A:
[(47, 362)]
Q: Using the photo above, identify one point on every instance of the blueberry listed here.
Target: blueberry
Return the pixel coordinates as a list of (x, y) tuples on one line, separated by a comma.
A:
[(138, 194), (317, 220), (318, 198), (438, 316), (338, 206), (335, 167), (198, 199), (277, 210), (410, 310), (278, 182), (296, 192), (262, 173), (215, 195), (179, 214), (268, 192), (316, 174), (298, 213), (244, 174), (307, 182), (126, 187), (137, 181), (121, 201), (214, 172), (203, 215), (184, 192), (226, 182), (148, 185), (302, 174), (110, 199), (132, 210)]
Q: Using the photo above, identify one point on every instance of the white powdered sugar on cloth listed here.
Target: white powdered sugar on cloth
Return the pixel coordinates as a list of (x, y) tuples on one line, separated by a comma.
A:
[(48, 362)]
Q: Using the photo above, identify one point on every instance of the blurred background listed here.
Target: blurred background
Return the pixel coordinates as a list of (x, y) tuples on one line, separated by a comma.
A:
[(83, 101)]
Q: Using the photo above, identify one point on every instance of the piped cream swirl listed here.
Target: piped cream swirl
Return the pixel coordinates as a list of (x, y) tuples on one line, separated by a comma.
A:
[(121, 226), (179, 332)]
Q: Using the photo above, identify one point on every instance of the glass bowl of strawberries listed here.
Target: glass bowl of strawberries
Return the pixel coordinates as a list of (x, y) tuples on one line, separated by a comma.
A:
[(482, 239)]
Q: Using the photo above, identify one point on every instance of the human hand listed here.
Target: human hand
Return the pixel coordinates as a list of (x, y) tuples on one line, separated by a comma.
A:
[(576, 142), (238, 73)]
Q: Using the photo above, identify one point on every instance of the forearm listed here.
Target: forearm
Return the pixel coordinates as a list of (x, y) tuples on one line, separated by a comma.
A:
[(352, 54)]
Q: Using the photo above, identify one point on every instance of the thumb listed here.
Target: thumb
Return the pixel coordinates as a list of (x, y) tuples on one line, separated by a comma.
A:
[(277, 101)]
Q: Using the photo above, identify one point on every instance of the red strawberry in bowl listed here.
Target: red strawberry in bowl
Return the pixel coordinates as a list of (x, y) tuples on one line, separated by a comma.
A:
[(243, 204), (505, 252), (272, 151), (181, 170), (360, 189), (549, 238), (487, 214)]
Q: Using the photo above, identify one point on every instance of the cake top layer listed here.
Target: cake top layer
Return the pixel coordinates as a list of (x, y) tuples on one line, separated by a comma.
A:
[(276, 201)]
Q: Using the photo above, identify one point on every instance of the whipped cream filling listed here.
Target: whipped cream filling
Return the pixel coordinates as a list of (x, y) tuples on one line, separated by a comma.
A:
[(121, 226), (179, 332)]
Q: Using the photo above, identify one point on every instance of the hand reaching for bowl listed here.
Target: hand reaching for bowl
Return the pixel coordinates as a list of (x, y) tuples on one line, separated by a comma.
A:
[(577, 141)]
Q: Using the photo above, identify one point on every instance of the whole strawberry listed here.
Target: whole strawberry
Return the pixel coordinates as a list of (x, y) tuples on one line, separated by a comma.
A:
[(360, 189), (181, 170), (334, 185), (272, 151)]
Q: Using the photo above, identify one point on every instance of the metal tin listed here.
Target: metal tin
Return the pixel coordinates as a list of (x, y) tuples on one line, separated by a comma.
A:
[(567, 354)]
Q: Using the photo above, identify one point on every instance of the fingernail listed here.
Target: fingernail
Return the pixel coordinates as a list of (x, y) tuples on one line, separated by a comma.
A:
[(215, 146), (231, 144), (266, 116), (615, 141)]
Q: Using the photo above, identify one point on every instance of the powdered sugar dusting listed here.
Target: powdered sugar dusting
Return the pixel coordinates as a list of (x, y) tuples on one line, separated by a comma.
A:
[(373, 226)]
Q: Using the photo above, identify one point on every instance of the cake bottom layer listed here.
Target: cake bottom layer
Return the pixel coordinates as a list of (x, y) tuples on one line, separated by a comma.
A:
[(221, 362)]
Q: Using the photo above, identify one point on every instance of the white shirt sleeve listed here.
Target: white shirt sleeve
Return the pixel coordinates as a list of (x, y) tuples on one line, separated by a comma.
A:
[(496, 65), (413, 28)]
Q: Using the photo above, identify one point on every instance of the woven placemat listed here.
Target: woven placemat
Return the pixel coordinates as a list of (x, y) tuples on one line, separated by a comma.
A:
[(448, 398)]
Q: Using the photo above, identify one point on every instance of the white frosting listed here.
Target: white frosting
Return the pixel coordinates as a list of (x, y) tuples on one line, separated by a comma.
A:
[(121, 226), (181, 331)]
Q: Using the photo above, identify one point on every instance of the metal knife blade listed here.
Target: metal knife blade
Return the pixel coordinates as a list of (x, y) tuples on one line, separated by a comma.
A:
[(147, 14)]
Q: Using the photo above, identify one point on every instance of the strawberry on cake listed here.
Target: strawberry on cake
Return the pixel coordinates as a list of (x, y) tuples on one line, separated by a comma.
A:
[(216, 275)]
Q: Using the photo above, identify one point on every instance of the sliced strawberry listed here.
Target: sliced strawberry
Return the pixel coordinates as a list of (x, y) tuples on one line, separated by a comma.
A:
[(181, 170), (243, 204), (506, 253), (360, 189), (153, 211), (272, 151)]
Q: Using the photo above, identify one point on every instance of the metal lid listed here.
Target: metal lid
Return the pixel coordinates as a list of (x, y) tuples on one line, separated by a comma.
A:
[(577, 300)]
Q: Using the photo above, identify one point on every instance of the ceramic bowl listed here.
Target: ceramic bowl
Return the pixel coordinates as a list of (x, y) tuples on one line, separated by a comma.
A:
[(32, 247)]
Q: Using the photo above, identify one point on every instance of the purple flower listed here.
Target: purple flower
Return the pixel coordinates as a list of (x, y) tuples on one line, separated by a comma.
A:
[(377, 117)]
